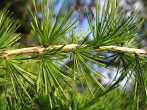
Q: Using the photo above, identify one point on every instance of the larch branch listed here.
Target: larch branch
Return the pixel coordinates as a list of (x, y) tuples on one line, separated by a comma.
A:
[(70, 47)]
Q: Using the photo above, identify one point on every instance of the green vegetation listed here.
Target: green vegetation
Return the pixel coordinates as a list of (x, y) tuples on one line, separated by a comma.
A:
[(39, 77)]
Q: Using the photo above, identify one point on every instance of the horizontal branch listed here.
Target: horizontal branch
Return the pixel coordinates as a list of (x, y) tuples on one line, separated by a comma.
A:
[(40, 49)]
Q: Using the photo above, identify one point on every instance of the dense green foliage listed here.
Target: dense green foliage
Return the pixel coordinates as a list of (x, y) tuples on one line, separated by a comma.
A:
[(44, 81)]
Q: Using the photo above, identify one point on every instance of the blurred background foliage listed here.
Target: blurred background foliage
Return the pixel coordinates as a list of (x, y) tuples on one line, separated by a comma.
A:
[(20, 9)]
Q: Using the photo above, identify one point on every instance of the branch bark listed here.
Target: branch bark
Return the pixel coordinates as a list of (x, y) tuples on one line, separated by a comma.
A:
[(70, 47)]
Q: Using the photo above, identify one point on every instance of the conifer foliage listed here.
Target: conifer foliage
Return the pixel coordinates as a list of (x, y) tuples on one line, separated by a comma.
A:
[(38, 78)]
